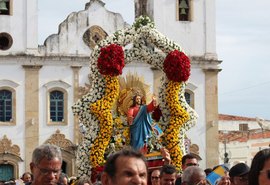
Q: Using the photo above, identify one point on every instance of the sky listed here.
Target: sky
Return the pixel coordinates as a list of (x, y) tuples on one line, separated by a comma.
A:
[(242, 41)]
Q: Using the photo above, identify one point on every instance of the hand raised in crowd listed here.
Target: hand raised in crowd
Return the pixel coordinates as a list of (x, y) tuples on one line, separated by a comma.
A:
[(166, 155)]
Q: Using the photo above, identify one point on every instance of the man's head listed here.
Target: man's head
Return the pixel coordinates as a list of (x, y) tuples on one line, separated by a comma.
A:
[(63, 179), (46, 164), (27, 177), (125, 167), (239, 174), (189, 160), (168, 175), (193, 175), (155, 177)]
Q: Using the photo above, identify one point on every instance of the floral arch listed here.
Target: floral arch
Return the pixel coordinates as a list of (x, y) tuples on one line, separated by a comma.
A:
[(142, 43)]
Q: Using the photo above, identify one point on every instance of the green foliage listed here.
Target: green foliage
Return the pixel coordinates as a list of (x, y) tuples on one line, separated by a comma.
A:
[(143, 21)]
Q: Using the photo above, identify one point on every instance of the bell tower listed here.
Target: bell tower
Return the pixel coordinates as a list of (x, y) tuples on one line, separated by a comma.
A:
[(19, 27), (192, 24)]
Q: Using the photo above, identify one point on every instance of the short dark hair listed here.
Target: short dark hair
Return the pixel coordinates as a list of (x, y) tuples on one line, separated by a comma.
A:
[(208, 171), (168, 169), (188, 156), (257, 165), (110, 165), (26, 173)]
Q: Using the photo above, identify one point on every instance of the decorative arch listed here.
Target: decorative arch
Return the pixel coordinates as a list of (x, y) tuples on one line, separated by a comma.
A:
[(68, 150), (57, 83), (8, 83), (10, 154), (146, 45)]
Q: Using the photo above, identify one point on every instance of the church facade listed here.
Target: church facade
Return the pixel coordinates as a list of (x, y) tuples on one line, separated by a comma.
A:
[(39, 84)]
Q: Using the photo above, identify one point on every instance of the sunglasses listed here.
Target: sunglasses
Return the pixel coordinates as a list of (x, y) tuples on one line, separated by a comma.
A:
[(192, 164), (48, 171), (155, 178)]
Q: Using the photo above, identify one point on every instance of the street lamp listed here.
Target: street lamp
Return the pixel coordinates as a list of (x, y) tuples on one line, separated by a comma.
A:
[(226, 155)]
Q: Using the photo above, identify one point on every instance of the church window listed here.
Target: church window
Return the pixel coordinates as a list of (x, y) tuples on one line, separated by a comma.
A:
[(56, 106), (5, 7), (5, 106), (189, 96), (184, 10)]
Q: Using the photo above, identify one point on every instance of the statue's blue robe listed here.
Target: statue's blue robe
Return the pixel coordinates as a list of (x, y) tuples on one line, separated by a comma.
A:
[(140, 130)]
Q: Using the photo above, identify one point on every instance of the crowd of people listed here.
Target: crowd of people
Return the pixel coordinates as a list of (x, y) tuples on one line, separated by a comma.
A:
[(129, 167)]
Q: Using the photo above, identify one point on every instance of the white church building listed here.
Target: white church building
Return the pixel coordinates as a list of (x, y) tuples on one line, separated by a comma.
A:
[(40, 83)]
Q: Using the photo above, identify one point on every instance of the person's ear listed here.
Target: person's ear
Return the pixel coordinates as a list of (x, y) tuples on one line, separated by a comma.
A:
[(32, 167), (106, 179)]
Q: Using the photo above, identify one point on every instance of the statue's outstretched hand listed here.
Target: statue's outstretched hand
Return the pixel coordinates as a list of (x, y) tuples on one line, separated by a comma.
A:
[(154, 100)]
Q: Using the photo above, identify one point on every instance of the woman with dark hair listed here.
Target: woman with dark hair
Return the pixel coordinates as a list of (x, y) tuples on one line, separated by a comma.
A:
[(259, 173)]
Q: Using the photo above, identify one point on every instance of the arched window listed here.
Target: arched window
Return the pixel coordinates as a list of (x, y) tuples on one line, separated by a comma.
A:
[(57, 102), (184, 10), (189, 95), (5, 106), (56, 106), (6, 172)]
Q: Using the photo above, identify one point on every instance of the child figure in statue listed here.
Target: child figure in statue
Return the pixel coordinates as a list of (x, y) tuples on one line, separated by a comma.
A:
[(140, 121)]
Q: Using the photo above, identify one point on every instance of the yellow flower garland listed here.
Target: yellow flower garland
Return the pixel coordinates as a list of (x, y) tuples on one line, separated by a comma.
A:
[(102, 109), (178, 117)]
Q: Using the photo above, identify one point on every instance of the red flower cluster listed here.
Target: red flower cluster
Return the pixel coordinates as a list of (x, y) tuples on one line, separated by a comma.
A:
[(177, 66), (111, 60)]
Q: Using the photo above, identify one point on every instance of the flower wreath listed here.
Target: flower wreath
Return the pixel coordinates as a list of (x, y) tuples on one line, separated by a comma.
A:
[(106, 63)]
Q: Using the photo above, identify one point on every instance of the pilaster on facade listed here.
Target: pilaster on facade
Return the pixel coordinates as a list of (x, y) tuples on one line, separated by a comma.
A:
[(76, 70), (211, 108), (10, 154), (31, 110)]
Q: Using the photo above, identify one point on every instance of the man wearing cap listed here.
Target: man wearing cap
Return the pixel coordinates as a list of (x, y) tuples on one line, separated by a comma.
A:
[(239, 174)]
